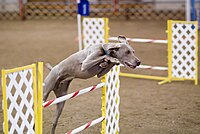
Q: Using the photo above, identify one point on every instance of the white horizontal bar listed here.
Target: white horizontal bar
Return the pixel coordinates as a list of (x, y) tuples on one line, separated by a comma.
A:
[(141, 40), (151, 67)]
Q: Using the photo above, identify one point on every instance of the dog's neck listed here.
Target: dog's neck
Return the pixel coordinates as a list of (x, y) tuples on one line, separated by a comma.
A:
[(107, 52)]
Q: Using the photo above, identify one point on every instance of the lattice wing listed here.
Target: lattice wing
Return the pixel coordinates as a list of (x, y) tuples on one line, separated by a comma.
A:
[(184, 54), (19, 90), (113, 100), (93, 31)]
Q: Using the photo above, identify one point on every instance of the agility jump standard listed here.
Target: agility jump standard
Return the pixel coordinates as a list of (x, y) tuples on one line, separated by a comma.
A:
[(182, 53), (22, 100)]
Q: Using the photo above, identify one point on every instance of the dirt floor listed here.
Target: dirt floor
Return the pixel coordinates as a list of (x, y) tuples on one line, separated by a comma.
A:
[(146, 107)]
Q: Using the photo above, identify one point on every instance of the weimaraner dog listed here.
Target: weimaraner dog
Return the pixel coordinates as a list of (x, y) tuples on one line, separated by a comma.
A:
[(94, 60)]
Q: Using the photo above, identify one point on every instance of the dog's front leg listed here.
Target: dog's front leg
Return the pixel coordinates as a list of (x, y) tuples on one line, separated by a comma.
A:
[(112, 59), (92, 60), (107, 60), (106, 70)]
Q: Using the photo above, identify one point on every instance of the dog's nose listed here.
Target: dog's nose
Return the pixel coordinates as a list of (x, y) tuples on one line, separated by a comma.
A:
[(138, 63)]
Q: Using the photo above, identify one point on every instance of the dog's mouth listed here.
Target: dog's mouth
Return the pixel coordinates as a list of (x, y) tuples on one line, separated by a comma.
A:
[(130, 65)]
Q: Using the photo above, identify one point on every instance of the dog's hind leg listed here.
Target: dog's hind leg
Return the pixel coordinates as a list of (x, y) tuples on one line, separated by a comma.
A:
[(49, 83), (61, 79), (61, 91)]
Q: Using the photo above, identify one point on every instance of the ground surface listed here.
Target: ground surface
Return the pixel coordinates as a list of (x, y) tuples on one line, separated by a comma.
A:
[(145, 106)]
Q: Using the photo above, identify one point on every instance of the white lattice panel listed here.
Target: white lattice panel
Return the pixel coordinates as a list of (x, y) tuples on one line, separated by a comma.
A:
[(112, 101), (184, 54), (93, 31), (19, 95)]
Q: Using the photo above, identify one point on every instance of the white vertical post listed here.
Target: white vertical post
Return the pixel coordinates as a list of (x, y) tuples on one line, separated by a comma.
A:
[(79, 29), (188, 10), (79, 32)]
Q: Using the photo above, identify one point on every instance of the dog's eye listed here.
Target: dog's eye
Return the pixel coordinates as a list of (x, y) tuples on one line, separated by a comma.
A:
[(128, 52)]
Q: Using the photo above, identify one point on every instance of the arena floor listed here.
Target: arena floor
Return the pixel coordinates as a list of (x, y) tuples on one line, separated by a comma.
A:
[(146, 107)]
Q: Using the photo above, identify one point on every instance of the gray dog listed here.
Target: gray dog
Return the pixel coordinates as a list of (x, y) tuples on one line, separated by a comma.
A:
[(94, 60)]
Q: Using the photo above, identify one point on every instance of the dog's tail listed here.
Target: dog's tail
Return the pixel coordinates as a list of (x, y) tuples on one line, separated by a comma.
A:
[(48, 65)]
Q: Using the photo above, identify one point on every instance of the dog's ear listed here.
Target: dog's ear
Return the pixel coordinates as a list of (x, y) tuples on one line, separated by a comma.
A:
[(122, 39)]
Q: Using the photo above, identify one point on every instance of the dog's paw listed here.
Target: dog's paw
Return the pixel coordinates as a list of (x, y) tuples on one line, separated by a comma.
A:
[(104, 65), (107, 59), (114, 60)]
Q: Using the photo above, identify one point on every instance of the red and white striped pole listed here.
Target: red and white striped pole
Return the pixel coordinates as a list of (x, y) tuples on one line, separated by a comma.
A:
[(72, 95), (141, 40), (85, 126)]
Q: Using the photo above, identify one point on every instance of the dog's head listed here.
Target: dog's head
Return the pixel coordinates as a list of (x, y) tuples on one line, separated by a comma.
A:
[(123, 52)]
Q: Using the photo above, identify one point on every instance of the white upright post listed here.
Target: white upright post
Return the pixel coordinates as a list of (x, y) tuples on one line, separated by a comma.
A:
[(79, 32), (187, 10)]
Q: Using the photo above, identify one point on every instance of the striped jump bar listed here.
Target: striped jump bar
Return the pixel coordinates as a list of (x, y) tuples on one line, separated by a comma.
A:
[(141, 40), (87, 125), (72, 95)]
